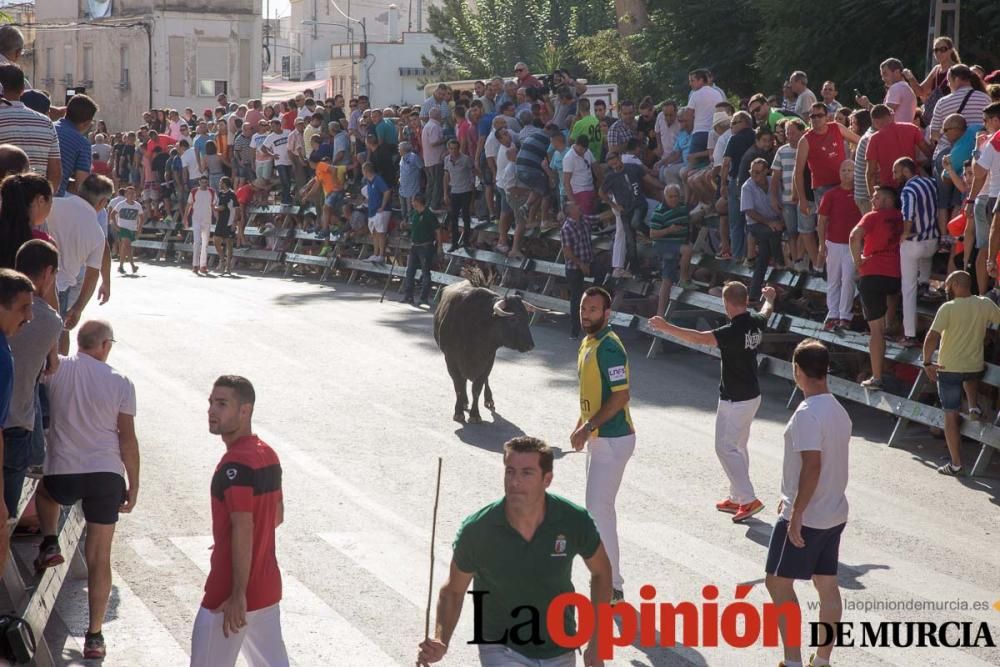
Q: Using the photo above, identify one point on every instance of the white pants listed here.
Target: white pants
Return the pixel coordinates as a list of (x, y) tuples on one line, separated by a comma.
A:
[(732, 432), (260, 641), (618, 248), (915, 264), (200, 250), (839, 281), (606, 459)]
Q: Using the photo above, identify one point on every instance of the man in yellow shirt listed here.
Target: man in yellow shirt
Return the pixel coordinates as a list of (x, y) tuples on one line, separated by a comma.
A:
[(959, 327), (605, 425)]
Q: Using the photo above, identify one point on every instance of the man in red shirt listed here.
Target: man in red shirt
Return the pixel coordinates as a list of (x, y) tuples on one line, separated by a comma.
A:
[(525, 79), (890, 142), (164, 141), (875, 249), (822, 149), (240, 611), (838, 214)]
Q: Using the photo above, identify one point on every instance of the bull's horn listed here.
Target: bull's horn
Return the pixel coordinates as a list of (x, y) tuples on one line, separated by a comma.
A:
[(498, 309), (532, 308)]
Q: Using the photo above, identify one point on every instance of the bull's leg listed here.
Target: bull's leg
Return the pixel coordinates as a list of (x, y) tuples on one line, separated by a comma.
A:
[(488, 397), (461, 398), (477, 388)]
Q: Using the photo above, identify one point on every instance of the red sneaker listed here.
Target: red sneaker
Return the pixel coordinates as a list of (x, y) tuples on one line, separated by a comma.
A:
[(747, 511), (830, 325), (728, 506)]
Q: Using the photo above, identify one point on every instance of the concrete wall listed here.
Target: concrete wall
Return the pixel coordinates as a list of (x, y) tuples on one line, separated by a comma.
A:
[(227, 46), (59, 53), (382, 69)]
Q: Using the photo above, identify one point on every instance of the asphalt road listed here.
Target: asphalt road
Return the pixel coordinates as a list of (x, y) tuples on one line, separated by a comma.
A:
[(355, 398)]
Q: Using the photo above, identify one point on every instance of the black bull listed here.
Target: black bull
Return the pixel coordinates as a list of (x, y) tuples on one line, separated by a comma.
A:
[(470, 324)]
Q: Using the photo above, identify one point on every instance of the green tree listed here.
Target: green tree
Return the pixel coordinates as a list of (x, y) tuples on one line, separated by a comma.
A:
[(487, 37), (606, 57)]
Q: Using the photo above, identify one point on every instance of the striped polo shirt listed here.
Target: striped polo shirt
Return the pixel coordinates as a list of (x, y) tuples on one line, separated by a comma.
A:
[(949, 104), (31, 132), (534, 149), (919, 200), (861, 166), (74, 148)]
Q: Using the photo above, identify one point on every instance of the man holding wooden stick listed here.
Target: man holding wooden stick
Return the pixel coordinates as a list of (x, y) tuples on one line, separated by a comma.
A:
[(519, 553)]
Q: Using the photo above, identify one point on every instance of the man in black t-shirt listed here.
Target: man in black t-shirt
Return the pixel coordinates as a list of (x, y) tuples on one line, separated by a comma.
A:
[(739, 392)]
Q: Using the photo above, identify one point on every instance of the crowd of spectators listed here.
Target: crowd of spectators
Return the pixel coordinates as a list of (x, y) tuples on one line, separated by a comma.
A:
[(864, 192)]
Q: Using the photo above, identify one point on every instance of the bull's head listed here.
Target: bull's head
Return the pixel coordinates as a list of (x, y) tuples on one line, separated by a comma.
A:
[(511, 316)]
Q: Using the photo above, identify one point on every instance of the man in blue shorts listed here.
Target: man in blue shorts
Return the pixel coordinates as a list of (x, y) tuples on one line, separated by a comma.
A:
[(805, 543)]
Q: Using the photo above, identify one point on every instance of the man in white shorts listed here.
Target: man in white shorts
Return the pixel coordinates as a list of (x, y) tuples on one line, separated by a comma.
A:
[(379, 195)]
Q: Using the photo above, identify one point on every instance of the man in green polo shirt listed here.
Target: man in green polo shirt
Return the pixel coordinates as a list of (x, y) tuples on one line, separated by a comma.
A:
[(518, 552), (605, 424)]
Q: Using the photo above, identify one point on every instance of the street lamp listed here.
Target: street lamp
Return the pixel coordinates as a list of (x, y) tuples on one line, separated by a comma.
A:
[(350, 33)]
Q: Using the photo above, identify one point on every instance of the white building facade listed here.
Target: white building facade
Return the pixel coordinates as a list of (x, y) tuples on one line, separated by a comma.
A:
[(149, 54)]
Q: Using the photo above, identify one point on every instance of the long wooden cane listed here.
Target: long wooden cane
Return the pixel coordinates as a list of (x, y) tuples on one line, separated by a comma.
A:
[(430, 584)]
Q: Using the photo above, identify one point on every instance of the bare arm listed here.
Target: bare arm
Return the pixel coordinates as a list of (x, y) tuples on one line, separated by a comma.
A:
[(808, 480), (871, 176), (235, 608), (129, 446), (615, 404), (600, 591), (449, 609), (692, 336), (53, 172), (801, 157), (857, 244), (931, 342)]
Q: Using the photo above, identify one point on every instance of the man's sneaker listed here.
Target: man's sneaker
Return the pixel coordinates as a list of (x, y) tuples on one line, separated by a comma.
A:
[(830, 325), (48, 556), (728, 506), (746, 511), (950, 470), (815, 662), (121, 269), (93, 646), (408, 300), (617, 595), (873, 383)]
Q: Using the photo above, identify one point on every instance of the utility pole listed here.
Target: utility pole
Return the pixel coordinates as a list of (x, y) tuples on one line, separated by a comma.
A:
[(942, 21)]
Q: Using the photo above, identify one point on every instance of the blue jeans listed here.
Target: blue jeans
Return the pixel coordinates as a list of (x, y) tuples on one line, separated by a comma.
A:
[(421, 256), (285, 176), (737, 222), (950, 386), (16, 453), (768, 246)]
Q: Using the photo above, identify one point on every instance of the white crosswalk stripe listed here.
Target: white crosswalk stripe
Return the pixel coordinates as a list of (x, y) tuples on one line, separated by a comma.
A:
[(314, 633)]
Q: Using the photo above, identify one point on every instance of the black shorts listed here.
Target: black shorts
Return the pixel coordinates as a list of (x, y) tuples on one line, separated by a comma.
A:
[(819, 556), (102, 493), (224, 231), (875, 291)]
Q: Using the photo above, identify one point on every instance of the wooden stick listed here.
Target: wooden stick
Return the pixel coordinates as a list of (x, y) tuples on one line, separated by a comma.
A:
[(430, 585), (392, 267)]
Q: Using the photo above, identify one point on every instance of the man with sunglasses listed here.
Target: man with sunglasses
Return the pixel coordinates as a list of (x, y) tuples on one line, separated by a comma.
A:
[(93, 456), (822, 150), (525, 79)]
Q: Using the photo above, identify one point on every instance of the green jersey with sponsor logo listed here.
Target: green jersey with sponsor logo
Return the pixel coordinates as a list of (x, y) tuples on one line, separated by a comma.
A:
[(602, 364)]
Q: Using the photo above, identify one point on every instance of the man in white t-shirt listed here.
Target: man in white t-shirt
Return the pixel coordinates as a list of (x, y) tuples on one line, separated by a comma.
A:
[(805, 543), (189, 163), (578, 175), (804, 97), (981, 202), (127, 216), (276, 145), (898, 95), (82, 244), (199, 215), (91, 451), (702, 101)]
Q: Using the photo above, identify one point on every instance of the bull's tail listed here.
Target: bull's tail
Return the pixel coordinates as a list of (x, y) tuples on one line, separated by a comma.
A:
[(476, 276)]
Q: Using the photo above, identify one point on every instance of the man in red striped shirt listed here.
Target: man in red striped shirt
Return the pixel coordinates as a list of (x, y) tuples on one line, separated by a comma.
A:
[(240, 610)]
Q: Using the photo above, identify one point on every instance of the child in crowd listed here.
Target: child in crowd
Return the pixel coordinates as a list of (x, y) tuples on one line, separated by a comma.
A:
[(225, 208), (127, 217)]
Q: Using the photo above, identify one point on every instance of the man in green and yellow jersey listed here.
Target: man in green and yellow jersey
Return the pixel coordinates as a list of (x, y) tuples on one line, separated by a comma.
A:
[(605, 426)]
